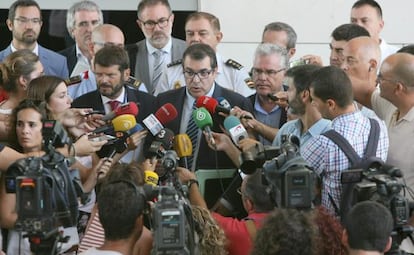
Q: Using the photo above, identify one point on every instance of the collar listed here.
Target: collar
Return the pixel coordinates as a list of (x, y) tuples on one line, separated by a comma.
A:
[(79, 54), (347, 117), (35, 50), (190, 99), (408, 117), (166, 49), (121, 98), (259, 108), (317, 128)]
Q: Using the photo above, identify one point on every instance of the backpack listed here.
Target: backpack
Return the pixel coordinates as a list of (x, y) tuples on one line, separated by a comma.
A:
[(51, 186), (367, 161)]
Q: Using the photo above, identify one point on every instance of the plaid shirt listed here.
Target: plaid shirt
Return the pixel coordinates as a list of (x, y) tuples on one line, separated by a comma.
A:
[(329, 161)]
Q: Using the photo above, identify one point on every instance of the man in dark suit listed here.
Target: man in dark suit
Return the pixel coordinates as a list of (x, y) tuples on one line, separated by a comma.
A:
[(25, 22), (150, 56), (111, 67), (200, 70), (81, 19)]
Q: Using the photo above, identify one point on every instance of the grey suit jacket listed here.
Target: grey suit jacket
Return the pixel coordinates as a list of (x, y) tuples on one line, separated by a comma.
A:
[(53, 63), (138, 56)]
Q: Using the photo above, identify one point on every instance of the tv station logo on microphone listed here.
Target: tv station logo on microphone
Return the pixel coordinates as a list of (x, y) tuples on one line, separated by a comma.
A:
[(200, 115)]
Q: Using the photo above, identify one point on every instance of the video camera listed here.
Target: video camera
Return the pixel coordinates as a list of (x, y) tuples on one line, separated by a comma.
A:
[(287, 173), (46, 196)]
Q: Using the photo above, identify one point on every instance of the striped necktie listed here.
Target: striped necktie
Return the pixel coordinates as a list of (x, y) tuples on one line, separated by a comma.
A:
[(192, 132), (157, 68)]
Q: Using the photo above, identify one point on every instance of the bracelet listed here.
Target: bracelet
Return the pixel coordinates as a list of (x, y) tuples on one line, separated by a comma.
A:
[(191, 182)]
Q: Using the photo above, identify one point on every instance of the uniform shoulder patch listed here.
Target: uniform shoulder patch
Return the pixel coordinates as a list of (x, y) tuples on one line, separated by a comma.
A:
[(250, 83), (73, 80), (133, 82), (175, 62), (232, 63)]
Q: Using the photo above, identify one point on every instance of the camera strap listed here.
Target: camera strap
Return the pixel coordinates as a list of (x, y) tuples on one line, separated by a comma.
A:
[(352, 155)]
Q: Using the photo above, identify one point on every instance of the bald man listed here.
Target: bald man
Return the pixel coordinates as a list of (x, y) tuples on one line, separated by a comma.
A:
[(102, 35)]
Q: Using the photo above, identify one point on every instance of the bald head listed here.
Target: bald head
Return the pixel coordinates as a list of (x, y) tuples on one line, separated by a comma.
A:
[(107, 34), (399, 67), (366, 47)]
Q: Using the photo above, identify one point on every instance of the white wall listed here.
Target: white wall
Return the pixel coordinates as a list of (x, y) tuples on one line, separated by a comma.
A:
[(243, 21)]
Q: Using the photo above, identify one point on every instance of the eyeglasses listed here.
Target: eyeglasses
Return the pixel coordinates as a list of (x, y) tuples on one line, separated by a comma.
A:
[(24, 21), (104, 44), (203, 74), (267, 72), (84, 24), (150, 24), (380, 80)]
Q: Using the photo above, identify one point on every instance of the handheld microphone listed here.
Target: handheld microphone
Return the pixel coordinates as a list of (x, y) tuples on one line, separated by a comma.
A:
[(211, 104), (120, 123), (127, 108), (151, 178), (235, 128), (160, 143), (183, 147), (223, 102), (155, 122), (203, 120)]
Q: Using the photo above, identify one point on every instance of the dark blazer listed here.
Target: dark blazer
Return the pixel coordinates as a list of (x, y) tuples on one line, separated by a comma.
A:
[(93, 100), (283, 116), (53, 63), (138, 52), (206, 156), (70, 54)]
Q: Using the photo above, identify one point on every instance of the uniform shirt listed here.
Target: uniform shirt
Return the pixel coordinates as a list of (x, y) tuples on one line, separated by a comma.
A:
[(294, 127), (386, 50), (328, 160), (401, 135), (166, 57), (228, 77)]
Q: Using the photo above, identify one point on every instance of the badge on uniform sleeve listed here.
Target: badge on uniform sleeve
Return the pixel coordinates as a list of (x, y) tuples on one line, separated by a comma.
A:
[(177, 84), (250, 83)]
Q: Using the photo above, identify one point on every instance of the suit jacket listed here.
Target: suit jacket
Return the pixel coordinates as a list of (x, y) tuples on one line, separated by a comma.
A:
[(93, 100), (139, 52), (70, 54), (206, 156), (283, 115), (53, 63)]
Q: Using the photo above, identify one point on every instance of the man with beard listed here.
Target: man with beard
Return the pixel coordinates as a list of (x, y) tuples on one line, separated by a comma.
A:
[(25, 21), (310, 122), (81, 19), (150, 56), (111, 68)]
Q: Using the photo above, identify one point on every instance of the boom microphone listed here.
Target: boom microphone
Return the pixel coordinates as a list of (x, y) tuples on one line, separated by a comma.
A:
[(127, 108), (235, 128), (203, 120), (155, 122), (183, 147)]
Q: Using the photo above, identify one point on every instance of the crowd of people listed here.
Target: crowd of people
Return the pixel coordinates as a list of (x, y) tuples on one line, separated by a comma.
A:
[(366, 90)]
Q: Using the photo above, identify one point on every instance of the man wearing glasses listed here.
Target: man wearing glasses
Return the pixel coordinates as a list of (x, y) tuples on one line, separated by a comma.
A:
[(81, 19), (25, 21), (150, 56), (200, 70)]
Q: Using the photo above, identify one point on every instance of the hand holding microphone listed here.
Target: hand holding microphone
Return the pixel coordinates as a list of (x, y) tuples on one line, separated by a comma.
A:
[(235, 129), (183, 147), (203, 120), (213, 106), (127, 108)]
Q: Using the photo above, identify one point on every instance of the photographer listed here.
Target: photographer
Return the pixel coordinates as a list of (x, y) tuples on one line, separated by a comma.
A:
[(256, 200), (368, 228)]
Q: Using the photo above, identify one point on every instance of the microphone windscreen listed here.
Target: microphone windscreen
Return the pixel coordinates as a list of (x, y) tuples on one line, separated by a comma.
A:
[(124, 122), (230, 122), (151, 178), (127, 108), (166, 113), (202, 118), (183, 145), (224, 103), (207, 102), (166, 137)]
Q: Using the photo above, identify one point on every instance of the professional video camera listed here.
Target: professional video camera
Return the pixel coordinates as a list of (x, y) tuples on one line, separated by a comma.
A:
[(380, 183), (289, 176), (46, 196), (172, 219)]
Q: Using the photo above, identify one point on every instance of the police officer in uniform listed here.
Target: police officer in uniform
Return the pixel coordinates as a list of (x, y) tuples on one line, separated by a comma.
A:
[(204, 28)]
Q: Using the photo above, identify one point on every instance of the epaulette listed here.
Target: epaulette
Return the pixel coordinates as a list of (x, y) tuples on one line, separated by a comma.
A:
[(175, 62), (133, 82), (230, 62), (77, 78), (249, 82)]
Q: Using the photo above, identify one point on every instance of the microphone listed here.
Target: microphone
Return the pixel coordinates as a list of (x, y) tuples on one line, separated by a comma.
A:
[(203, 120), (223, 102), (155, 122), (211, 104), (120, 123), (151, 178), (160, 143), (127, 108), (122, 126), (235, 128), (183, 147)]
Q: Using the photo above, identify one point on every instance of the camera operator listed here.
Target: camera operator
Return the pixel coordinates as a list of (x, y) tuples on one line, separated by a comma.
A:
[(256, 201), (368, 228)]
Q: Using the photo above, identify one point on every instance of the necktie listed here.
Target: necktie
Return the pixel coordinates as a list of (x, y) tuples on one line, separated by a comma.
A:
[(192, 132), (157, 68), (114, 104)]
